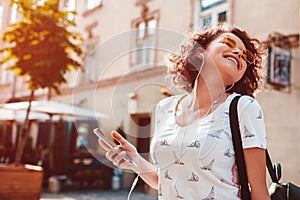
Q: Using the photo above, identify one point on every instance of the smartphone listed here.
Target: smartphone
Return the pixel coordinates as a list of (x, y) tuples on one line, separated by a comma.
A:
[(100, 134)]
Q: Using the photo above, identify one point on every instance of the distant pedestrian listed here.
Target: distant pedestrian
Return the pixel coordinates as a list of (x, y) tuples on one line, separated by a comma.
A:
[(42, 155), (9, 152), (2, 154), (28, 156)]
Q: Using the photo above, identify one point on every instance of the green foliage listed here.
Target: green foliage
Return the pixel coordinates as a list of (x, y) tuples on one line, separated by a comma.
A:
[(40, 47)]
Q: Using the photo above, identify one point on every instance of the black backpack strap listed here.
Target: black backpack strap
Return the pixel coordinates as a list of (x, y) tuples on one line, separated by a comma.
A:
[(270, 168), (238, 149)]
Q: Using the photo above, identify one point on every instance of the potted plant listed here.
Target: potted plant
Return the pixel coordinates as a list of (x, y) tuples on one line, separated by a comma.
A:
[(39, 49)]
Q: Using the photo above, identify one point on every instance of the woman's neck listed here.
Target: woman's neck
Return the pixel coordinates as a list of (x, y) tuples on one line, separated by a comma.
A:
[(207, 96), (199, 103)]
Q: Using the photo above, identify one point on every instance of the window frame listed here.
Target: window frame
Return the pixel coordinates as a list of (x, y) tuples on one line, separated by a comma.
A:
[(66, 6), (154, 15), (94, 5), (1, 16), (13, 14), (40, 2), (90, 64), (279, 66), (212, 11), (216, 3), (7, 77)]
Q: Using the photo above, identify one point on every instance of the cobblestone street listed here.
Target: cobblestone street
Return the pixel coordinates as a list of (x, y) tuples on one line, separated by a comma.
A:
[(97, 195)]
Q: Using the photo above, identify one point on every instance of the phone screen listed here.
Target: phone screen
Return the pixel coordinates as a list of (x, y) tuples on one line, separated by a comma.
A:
[(100, 134)]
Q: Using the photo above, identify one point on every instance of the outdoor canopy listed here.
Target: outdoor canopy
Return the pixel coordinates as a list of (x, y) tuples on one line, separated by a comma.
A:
[(55, 108), (19, 115)]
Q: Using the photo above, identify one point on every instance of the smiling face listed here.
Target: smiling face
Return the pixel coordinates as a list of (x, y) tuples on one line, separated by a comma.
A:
[(227, 53), (220, 53)]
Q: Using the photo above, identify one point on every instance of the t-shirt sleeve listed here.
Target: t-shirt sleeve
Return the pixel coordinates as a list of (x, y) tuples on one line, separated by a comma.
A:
[(158, 118), (252, 125), (161, 111)]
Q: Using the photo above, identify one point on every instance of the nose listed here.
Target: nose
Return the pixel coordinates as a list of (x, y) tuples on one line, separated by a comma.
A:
[(238, 52)]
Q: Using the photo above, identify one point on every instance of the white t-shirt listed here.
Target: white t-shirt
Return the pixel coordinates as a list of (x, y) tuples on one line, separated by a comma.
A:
[(197, 161)]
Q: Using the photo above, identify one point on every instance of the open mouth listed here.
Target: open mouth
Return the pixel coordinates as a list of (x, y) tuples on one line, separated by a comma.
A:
[(233, 59)]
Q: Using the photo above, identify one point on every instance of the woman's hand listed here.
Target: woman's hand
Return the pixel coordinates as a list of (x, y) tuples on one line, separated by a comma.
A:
[(139, 165), (118, 153)]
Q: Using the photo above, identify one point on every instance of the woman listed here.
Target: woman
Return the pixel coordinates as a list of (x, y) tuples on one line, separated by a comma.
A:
[(191, 148)]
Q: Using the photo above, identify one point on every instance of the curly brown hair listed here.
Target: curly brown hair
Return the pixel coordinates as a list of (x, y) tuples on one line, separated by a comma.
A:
[(184, 65)]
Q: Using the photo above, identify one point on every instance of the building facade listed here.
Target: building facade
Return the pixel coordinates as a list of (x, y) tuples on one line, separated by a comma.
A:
[(125, 43)]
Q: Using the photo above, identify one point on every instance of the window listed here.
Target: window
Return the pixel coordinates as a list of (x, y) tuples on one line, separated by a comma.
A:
[(70, 5), (222, 17), (41, 2), (211, 12), (207, 21), (13, 14), (89, 65), (279, 66), (206, 4), (144, 42), (7, 77), (93, 4), (1, 16)]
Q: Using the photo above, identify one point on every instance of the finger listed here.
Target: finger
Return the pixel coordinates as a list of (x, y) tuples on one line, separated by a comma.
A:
[(104, 145), (112, 153), (119, 138), (125, 164), (119, 158)]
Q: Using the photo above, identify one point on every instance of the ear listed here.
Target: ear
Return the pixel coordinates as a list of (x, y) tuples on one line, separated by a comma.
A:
[(196, 60), (199, 53)]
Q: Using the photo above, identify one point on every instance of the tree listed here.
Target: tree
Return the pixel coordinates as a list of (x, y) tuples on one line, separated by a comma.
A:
[(41, 49)]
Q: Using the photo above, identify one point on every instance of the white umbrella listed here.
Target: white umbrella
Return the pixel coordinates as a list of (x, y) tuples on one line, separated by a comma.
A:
[(55, 108), (19, 115)]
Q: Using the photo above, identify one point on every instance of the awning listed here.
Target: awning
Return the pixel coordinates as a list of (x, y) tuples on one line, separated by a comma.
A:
[(55, 108)]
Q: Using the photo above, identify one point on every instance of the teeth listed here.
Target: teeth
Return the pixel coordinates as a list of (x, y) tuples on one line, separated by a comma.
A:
[(232, 59)]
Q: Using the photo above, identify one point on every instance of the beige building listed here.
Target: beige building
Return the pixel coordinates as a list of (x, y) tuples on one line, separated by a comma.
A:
[(124, 68)]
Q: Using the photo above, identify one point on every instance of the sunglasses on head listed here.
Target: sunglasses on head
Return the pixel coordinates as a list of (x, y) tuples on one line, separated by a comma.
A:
[(246, 54)]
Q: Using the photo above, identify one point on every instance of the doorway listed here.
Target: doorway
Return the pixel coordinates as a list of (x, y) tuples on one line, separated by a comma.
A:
[(143, 123)]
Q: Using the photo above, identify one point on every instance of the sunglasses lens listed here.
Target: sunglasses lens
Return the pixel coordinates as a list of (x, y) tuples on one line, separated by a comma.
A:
[(248, 56), (229, 42)]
